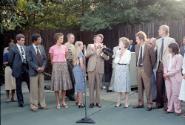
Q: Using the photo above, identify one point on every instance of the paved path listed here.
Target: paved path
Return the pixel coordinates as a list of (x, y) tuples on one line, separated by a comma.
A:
[(107, 115)]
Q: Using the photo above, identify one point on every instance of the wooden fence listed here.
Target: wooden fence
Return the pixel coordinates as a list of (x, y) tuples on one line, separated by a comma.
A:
[(177, 31)]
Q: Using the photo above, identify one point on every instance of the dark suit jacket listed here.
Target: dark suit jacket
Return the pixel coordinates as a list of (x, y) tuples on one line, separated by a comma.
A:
[(32, 59), (132, 47), (182, 50), (149, 58), (16, 63)]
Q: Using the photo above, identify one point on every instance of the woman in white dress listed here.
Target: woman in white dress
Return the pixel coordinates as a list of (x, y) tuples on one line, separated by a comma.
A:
[(182, 90), (122, 79)]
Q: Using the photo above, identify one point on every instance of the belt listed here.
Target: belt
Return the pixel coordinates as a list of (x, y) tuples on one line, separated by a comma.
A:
[(121, 64)]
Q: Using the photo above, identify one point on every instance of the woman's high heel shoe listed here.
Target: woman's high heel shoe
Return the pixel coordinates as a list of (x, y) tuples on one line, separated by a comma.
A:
[(117, 105), (64, 105), (58, 106)]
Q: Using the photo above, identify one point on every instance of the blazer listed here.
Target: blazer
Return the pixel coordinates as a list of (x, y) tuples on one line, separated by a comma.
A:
[(149, 58), (16, 63), (95, 60), (32, 59), (132, 47), (167, 41), (176, 67)]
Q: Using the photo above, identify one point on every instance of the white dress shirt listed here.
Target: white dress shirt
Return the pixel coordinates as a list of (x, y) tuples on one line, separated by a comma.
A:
[(35, 48), (23, 55), (143, 50)]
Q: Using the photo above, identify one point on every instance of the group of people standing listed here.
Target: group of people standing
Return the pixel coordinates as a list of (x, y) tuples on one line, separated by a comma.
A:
[(160, 71), (159, 63)]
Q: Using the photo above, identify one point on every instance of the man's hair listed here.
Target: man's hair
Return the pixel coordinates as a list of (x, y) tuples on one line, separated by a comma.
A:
[(100, 35), (141, 35), (19, 36), (35, 37), (69, 34), (166, 28)]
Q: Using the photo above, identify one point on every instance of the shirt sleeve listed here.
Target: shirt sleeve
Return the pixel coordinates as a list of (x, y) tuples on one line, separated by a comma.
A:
[(65, 48), (51, 50), (5, 57), (80, 55)]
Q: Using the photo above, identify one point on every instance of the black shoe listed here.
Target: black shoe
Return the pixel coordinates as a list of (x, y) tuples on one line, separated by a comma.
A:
[(148, 108), (81, 106), (109, 91), (138, 106), (98, 105), (91, 106), (71, 98), (21, 105)]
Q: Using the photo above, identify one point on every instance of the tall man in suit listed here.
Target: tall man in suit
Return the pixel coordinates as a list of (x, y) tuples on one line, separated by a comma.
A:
[(95, 69), (71, 51), (19, 64), (37, 61), (145, 60), (182, 48), (131, 46), (162, 52)]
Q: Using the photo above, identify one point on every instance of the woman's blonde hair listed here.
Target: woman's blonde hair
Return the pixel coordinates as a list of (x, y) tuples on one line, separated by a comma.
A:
[(125, 41), (77, 51)]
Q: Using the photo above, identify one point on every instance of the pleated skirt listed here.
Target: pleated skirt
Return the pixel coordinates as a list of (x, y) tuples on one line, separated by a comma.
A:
[(60, 77)]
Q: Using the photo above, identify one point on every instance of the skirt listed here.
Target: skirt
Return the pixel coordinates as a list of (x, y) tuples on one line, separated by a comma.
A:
[(79, 76), (182, 91), (60, 77), (9, 79), (121, 79)]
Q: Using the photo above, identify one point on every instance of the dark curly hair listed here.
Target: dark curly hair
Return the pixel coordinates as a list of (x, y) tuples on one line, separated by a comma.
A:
[(174, 47)]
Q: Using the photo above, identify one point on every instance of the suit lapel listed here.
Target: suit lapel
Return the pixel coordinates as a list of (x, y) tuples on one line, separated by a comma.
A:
[(17, 49), (145, 51), (33, 50)]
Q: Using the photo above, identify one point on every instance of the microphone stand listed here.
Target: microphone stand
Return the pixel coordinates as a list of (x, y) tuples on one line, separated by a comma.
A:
[(86, 119)]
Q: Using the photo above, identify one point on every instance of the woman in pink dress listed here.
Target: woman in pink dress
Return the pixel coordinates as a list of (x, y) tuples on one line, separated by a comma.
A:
[(173, 78), (60, 75)]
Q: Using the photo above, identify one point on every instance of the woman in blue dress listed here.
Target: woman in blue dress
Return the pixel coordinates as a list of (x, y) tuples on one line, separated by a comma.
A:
[(79, 73)]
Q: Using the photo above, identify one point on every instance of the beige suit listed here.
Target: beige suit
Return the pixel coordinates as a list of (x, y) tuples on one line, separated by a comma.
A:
[(95, 69), (145, 73)]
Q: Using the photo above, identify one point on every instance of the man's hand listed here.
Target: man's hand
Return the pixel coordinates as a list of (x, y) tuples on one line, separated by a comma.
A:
[(40, 69)]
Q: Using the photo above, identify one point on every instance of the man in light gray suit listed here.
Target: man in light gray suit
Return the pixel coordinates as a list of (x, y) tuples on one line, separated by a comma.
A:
[(162, 53), (37, 61)]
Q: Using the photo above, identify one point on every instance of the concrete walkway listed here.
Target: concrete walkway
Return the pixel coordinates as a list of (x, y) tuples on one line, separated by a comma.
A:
[(107, 115)]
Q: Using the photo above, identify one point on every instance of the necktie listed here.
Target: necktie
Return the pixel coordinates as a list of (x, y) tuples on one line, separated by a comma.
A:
[(140, 64), (38, 55), (23, 55), (162, 48)]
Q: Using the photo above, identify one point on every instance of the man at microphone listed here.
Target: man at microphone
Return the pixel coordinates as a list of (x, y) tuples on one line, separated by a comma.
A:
[(95, 69)]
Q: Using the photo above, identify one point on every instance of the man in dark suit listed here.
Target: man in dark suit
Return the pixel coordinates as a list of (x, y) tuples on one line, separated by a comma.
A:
[(131, 46), (145, 61), (37, 61), (19, 65), (182, 48)]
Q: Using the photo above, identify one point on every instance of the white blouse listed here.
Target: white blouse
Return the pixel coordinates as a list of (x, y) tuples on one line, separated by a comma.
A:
[(123, 59)]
